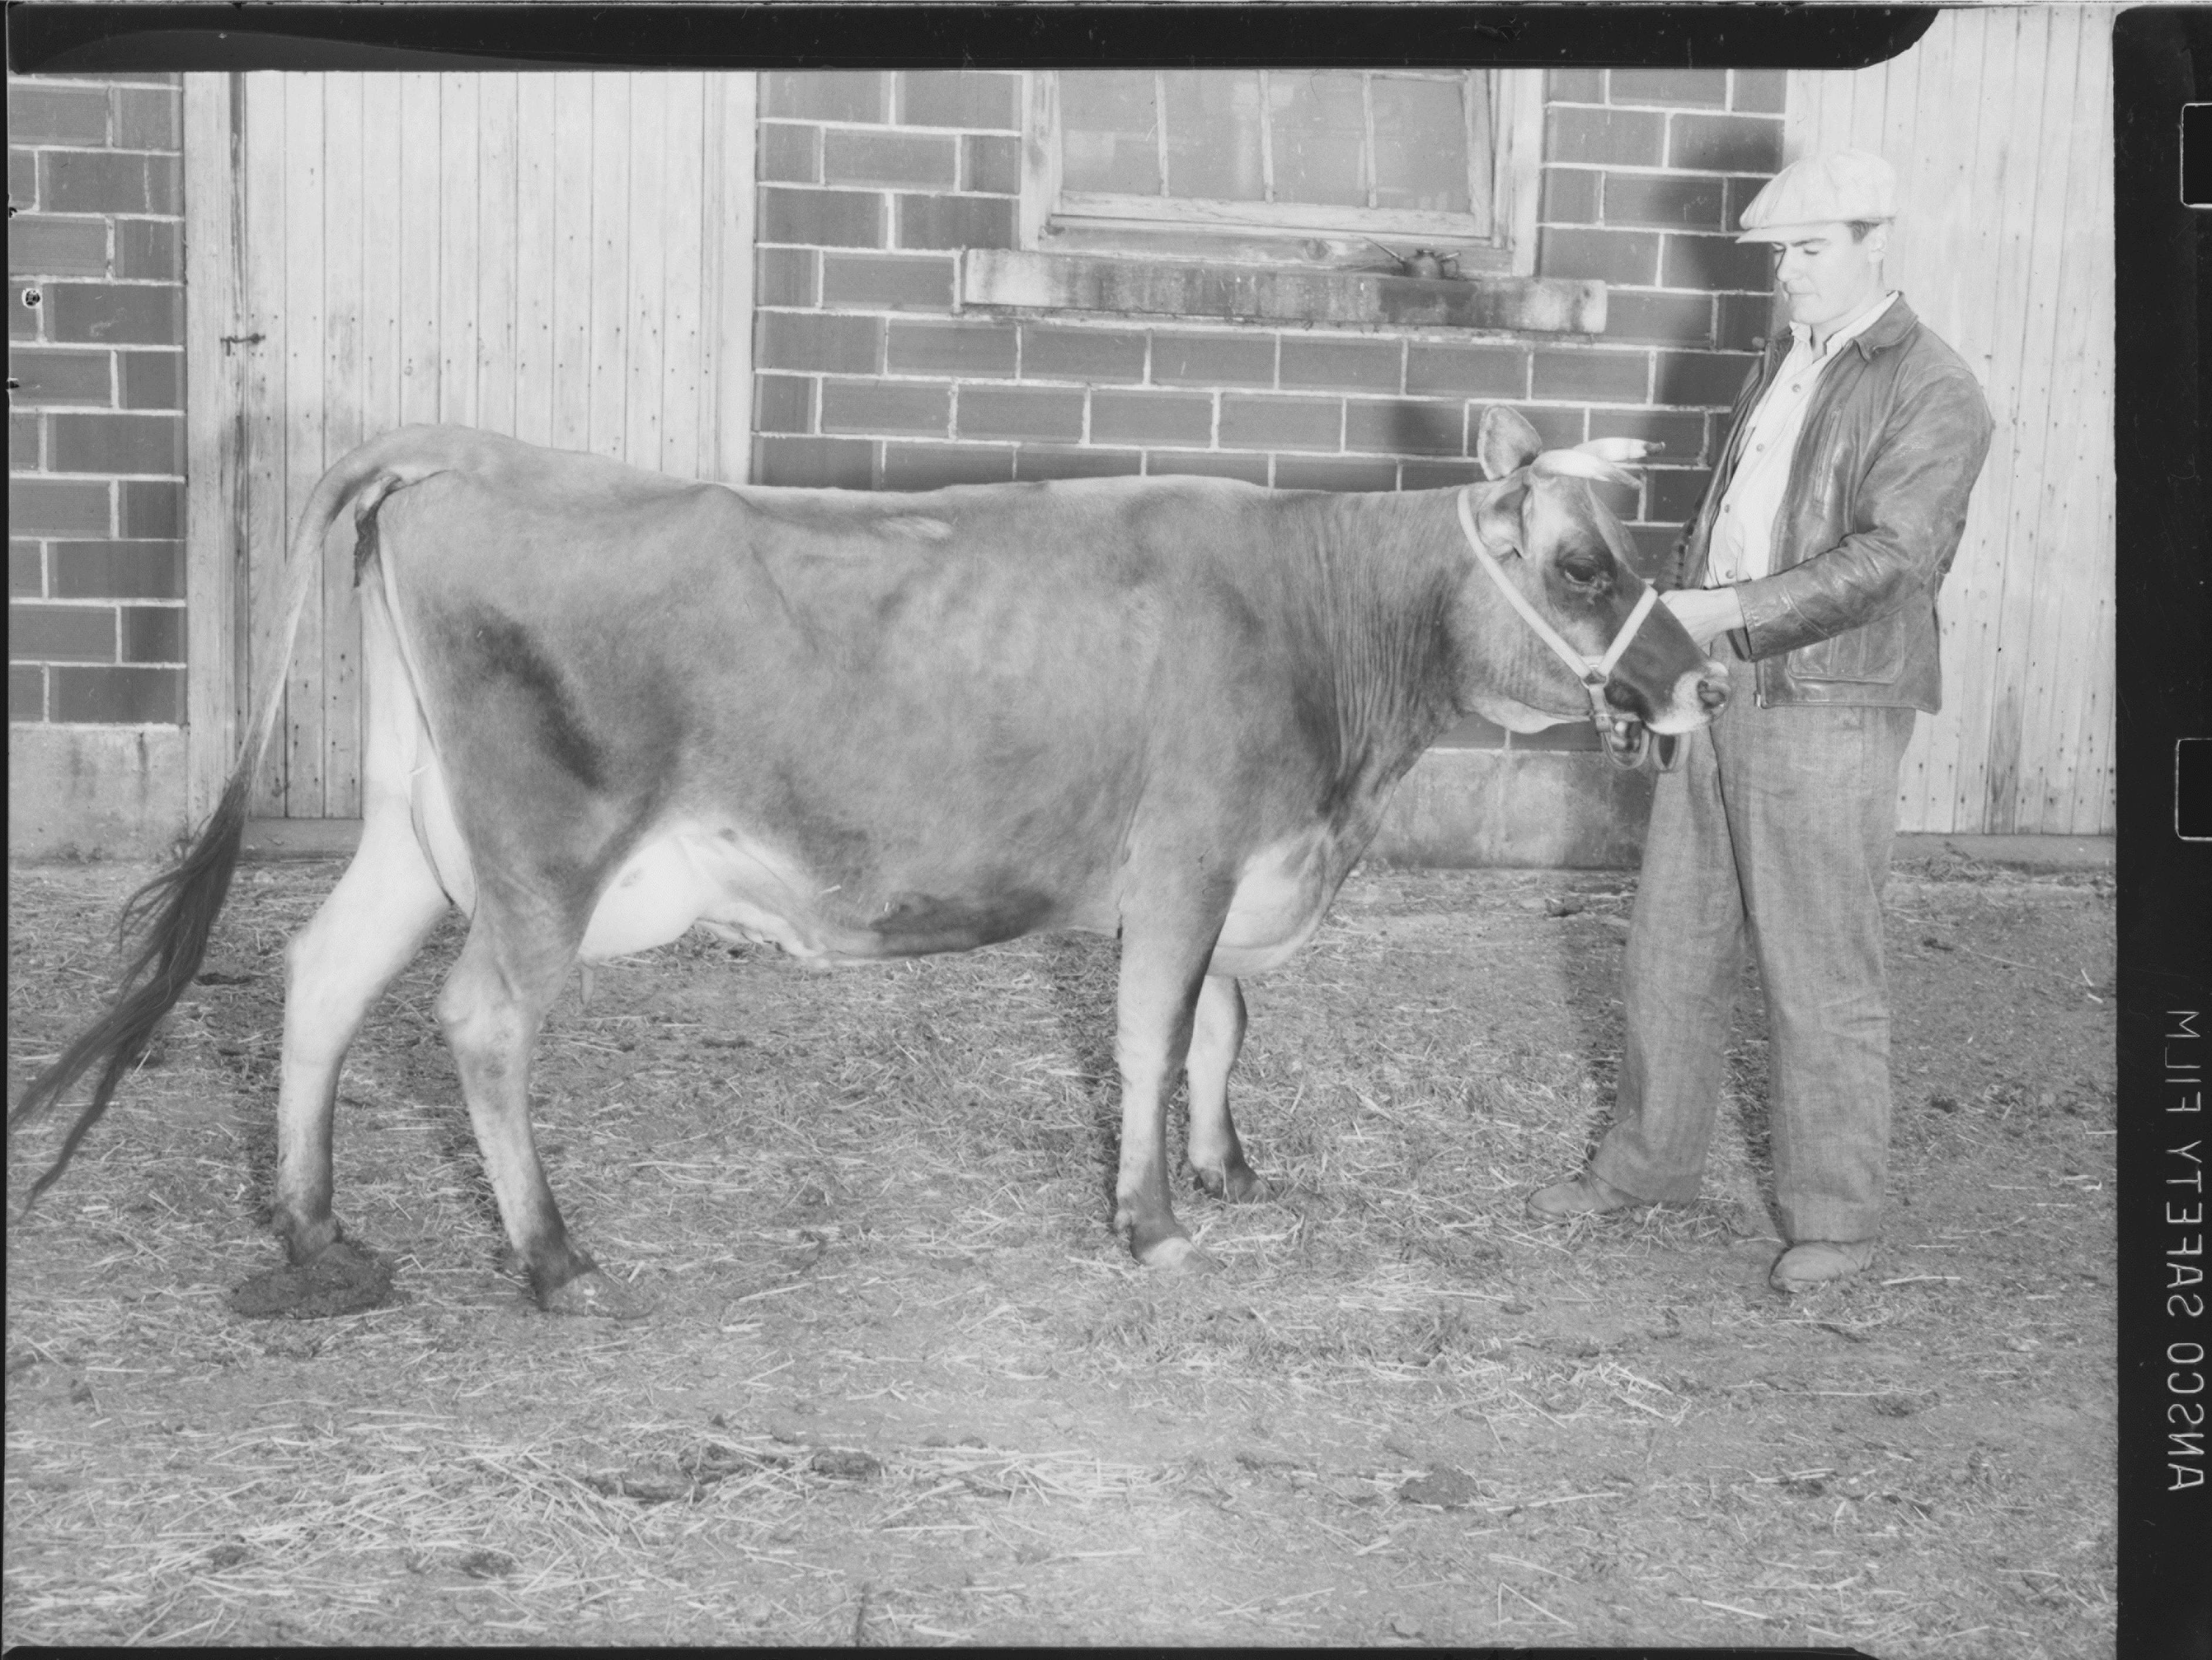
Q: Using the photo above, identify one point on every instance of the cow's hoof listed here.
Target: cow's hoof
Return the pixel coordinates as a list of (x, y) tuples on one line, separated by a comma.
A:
[(1239, 1185), (591, 1293), (341, 1279)]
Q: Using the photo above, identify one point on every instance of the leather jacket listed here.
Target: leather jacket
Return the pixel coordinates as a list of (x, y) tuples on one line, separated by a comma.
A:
[(1870, 520)]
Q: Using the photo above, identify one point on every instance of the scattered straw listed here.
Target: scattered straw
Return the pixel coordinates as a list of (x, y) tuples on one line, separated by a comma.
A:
[(901, 1382)]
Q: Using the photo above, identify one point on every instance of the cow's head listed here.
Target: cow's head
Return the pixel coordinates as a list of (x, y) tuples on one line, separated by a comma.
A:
[(1560, 547)]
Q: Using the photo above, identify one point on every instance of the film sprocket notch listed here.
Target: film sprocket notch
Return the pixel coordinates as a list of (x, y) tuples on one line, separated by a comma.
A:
[(2197, 155)]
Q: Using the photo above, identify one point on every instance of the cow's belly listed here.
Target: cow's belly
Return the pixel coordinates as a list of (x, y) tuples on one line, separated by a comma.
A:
[(741, 888), (725, 880), (738, 886), (1279, 903)]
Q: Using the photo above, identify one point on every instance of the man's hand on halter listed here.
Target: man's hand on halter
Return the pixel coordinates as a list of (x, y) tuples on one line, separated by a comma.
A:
[(1705, 613)]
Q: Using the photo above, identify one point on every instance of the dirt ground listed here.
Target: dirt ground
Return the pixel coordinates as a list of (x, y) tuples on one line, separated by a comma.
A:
[(901, 1386)]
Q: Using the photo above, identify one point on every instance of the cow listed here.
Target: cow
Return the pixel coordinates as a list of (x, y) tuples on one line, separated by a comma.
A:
[(603, 705)]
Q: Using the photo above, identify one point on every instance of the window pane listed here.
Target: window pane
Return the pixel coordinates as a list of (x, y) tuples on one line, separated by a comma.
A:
[(1213, 135), (1420, 144), (1109, 140), (1401, 155), (1319, 129)]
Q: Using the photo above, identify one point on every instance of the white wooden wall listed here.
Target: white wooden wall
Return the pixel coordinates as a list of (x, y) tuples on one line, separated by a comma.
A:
[(1999, 123), (567, 258)]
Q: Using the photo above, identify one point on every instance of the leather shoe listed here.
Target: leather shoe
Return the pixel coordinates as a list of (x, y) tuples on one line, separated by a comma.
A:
[(1584, 1194), (1812, 1263)]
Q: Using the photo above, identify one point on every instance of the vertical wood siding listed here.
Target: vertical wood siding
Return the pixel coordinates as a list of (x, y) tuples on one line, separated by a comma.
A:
[(1999, 123), (566, 257)]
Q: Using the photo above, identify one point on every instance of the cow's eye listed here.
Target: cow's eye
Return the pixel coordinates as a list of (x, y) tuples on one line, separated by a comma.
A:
[(1583, 571)]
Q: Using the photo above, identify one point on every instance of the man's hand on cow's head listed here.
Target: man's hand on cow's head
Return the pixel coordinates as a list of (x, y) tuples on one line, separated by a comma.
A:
[(1705, 613)]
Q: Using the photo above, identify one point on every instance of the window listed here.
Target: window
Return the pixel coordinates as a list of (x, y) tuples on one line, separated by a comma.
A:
[(1324, 166)]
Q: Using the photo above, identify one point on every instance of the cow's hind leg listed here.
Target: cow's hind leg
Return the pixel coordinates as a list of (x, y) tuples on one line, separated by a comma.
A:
[(510, 970), (367, 931), (1162, 966), (1217, 1157)]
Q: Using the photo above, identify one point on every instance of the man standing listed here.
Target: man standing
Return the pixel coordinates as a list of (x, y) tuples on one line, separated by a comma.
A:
[(1830, 521)]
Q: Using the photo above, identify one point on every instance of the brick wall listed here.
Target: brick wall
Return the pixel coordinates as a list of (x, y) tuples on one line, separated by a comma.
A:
[(96, 423), (1645, 172), (870, 183)]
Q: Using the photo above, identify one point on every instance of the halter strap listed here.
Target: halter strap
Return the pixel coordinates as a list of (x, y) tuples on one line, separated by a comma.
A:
[(1625, 740), (1591, 670)]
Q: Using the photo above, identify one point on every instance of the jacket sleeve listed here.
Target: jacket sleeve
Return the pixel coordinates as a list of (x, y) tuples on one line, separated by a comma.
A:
[(1908, 516)]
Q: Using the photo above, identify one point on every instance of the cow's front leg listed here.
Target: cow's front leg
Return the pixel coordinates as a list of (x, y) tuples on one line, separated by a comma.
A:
[(1217, 1157), (1161, 970)]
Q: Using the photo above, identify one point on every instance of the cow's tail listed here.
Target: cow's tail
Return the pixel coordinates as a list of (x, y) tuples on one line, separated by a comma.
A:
[(165, 925)]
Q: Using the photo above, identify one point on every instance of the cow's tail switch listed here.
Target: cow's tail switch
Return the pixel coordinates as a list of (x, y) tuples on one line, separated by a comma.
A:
[(165, 924)]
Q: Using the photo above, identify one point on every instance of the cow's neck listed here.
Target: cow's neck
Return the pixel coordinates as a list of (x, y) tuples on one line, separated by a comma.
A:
[(1508, 675), (1385, 575)]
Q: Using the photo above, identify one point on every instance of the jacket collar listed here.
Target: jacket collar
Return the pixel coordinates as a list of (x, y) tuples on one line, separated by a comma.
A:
[(1885, 331), (1891, 326)]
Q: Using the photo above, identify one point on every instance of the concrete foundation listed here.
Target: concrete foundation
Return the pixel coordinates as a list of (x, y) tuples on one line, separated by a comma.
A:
[(94, 792), (1546, 808)]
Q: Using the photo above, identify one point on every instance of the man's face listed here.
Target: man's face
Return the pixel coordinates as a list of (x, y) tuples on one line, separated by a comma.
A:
[(1827, 275)]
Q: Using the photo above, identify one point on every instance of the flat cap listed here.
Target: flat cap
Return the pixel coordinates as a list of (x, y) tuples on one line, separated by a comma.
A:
[(1821, 190)]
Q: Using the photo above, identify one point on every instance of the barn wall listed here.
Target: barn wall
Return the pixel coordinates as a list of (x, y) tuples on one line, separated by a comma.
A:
[(1999, 125), (95, 462), (868, 376), (870, 185), (562, 258)]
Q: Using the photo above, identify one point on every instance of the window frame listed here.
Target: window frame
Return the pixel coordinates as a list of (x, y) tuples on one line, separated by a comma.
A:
[(1157, 227)]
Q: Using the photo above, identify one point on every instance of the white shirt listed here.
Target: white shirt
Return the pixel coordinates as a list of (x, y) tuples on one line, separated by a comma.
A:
[(1743, 545)]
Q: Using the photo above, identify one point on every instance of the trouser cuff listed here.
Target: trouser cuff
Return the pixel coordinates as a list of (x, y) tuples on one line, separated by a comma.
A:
[(1641, 1183)]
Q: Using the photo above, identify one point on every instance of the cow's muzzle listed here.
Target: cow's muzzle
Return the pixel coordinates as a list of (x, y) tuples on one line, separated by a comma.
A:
[(1699, 694), (1696, 696)]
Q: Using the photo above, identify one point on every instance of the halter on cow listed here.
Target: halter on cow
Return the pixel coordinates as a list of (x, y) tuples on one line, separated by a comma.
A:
[(1625, 740), (602, 707)]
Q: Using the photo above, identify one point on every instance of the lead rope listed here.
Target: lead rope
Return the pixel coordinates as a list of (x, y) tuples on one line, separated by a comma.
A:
[(1626, 741)]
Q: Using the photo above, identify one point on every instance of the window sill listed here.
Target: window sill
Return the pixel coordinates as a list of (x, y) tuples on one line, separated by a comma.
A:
[(1018, 279)]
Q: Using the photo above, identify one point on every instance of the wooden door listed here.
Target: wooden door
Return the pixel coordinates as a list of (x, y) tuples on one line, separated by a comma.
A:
[(566, 257)]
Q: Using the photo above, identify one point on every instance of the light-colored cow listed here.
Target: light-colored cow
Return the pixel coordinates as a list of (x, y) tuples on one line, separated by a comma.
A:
[(604, 707)]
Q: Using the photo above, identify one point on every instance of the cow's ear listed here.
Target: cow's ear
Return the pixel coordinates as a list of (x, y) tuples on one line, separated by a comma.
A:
[(1497, 515), (1506, 440)]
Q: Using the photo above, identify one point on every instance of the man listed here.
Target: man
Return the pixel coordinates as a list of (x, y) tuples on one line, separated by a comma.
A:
[(1830, 521)]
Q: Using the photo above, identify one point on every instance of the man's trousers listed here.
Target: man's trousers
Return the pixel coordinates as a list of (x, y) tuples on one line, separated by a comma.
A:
[(1773, 832)]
